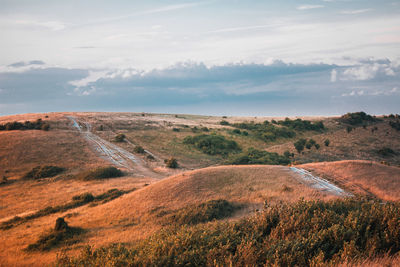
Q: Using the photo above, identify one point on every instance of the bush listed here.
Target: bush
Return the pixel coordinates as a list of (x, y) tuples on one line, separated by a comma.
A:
[(254, 156), (349, 129), (176, 130), (27, 125), (298, 234), (327, 142), (43, 172), (299, 145), (120, 137), (100, 173), (213, 144), (395, 125), (317, 146), (357, 118), (386, 152), (223, 122), (302, 125), (265, 131), (62, 234), (171, 163), (139, 149)]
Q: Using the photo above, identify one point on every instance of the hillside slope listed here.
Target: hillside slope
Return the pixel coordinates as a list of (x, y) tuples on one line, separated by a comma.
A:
[(361, 177)]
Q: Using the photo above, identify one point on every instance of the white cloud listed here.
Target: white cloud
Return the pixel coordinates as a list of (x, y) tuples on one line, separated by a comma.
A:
[(50, 25), (306, 7), (355, 12), (91, 78)]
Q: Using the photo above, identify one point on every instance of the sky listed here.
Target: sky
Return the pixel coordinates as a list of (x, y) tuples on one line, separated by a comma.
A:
[(211, 57)]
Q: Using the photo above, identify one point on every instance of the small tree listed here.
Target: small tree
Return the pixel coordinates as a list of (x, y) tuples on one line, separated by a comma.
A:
[(327, 142), (139, 149), (120, 138), (171, 163), (317, 146), (299, 145)]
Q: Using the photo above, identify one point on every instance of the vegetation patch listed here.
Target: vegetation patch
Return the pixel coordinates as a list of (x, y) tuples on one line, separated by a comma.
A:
[(266, 131), (254, 156), (395, 125), (386, 152), (302, 125), (306, 233), (77, 201), (205, 212), (27, 125), (119, 137), (357, 118), (171, 163), (100, 173), (213, 144), (43, 172), (61, 235)]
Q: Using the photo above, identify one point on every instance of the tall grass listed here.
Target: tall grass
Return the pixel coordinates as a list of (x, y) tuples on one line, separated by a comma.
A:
[(307, 233)]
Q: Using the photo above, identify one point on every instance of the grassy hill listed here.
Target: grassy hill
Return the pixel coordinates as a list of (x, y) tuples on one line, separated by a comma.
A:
[(202, 189)]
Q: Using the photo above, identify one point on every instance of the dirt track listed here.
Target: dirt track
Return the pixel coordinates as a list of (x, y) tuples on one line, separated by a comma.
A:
[(111, 152), (319, 183)]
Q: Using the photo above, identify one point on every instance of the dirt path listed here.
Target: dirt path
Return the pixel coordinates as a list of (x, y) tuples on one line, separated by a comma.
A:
[(113, 153), (318, 183)]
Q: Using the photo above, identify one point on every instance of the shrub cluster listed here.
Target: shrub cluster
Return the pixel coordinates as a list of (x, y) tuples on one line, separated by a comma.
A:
[(120, 137), (27, 125), (212, 144), (100, 173), (266, 131), (62, 234), (357, 118), (386, 152), (171, 163), (395, 125), (307, 233), (39, 172), (254, 156), (302, 125)]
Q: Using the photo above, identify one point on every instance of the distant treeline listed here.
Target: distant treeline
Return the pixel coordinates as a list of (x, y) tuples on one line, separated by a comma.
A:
[(268, 131), (27, 125)]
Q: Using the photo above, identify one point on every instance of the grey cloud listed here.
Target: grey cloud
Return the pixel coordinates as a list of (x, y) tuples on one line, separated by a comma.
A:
[(24, 64), (241, 89)]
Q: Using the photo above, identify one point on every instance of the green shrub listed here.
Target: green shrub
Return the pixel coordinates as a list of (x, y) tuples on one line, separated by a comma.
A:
[(171, 163), (223, 122), (386, 152), (43, 172), (357, 118), (139, 149), (395, 125), (120, 137), (27, 125), (327, 142), (100, 173), (302, 125), (299, 145), (265, 131), (176, 130), (317, 146), (212, 144), (254, 156)]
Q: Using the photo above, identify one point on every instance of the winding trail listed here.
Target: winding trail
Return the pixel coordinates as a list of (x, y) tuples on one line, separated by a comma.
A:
[(319, 183), (113, 153)]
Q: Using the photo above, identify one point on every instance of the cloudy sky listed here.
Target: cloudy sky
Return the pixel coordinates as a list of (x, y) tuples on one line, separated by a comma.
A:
[(217, 57)]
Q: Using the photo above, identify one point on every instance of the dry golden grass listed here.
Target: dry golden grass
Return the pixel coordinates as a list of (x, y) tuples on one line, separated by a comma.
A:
[(361, 177), (133, 216)]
